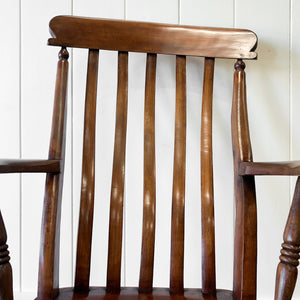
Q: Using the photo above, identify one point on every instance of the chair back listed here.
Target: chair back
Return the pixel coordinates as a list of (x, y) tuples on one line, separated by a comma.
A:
[(152, 39)]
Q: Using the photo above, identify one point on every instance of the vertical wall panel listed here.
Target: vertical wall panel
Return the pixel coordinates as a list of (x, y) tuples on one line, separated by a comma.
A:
[(105, 124), (165, 12), (212, 13), (38, 69), (9, 123), (268, 103), (216, 13), (295, 92), (152, 11)]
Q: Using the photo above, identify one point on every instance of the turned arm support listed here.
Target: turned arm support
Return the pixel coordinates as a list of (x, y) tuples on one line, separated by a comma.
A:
[(245, 241), (5, 267), (289, 259)]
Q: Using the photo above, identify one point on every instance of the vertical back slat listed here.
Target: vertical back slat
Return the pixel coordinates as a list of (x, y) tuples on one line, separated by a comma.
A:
[(148, 238), (85, 227), (178, 196), (117, 185), (207, 191)]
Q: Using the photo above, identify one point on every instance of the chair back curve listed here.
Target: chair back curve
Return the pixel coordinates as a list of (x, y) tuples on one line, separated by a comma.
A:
[(153, 39)]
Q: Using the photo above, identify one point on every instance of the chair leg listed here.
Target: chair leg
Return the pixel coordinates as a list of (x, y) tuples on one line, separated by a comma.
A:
[(289, 259), (6, 292)]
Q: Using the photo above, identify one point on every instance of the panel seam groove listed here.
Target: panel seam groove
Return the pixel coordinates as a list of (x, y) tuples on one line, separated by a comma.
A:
[(290, 96), (20, 142)]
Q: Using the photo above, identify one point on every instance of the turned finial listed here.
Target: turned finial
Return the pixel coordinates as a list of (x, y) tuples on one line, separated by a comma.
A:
[(63, 53), (239, 65)]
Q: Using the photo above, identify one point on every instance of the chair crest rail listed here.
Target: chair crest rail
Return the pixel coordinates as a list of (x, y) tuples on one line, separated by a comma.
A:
[(119, 35)]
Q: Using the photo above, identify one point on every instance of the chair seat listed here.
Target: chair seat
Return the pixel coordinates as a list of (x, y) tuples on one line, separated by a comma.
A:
[(128, 293)]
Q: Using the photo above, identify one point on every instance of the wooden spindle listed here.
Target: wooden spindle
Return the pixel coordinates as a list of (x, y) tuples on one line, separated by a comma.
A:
[(207, 189), (6, 291), (178, 195), (48, 282), (117, 185), (245, 240), (148, 238), (289, 259), (85, 227)]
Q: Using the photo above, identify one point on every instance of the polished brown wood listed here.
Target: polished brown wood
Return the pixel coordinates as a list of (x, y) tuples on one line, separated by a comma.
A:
[(152, 38), (133, 294), (270, 168), (117, 185), (245, 241), (30, 166), (178, 195), (85, 228), (289, 259), (207, 188), (48, 280), (124, 36), (149, 207), (6, 289)]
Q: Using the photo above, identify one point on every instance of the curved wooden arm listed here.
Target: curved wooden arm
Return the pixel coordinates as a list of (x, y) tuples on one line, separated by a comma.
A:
[(270, 168), (29, 166)]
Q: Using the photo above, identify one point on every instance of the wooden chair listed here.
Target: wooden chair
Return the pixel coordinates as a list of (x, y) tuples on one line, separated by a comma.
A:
[(153, 39)]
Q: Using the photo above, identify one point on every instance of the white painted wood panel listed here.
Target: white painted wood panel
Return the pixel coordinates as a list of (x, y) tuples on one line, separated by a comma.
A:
[(216, 13), (268, 103), (212, 13), (152, 10), (10, 128), (38, 70)]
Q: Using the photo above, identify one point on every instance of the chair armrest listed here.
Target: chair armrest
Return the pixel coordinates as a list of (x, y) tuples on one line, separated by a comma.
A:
[(270, 168), (29, 166)]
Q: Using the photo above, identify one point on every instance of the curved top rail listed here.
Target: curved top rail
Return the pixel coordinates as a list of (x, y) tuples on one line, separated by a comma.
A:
[(81, 32)]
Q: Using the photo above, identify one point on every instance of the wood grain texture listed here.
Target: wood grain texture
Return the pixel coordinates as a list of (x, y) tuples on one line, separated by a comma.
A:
[(270, 168), (149, 207), (287, 271), (117, 185), (178, 194), (207, 189), (85, 228), (129, 293), (152, 38), (6, 288), (136, 36), (48, 280), (245, 241)]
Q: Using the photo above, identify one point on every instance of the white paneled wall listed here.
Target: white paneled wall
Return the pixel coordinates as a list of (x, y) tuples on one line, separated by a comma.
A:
[(26, 94)]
